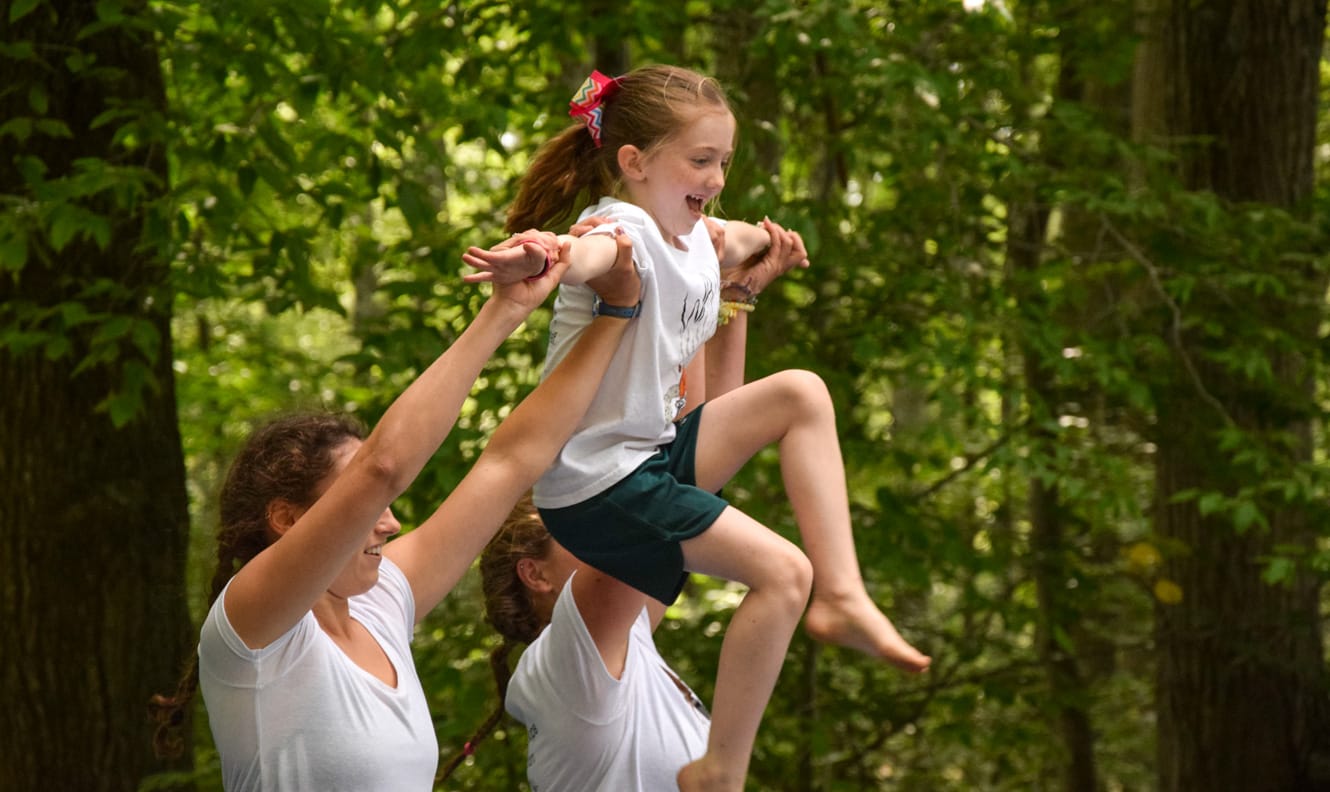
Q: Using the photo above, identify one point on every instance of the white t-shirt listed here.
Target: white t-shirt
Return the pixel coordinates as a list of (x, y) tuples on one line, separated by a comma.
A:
[(634, 410), (299, 714), (590, 732)]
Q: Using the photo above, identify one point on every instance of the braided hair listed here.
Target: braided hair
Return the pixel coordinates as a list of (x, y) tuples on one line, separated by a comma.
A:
[(508, 605)]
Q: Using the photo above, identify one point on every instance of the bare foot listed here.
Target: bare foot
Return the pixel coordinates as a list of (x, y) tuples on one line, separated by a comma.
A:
[(706, 775), (858, 624)]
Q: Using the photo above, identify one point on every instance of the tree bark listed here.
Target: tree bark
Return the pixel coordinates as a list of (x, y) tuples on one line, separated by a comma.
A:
[(1048, 544), (1241, 692), (94, 519)]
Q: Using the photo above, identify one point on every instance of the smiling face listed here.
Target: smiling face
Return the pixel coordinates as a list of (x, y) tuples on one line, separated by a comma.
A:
[(674, 181)]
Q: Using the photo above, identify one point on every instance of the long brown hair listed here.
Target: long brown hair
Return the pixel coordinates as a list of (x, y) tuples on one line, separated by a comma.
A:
[(285, 460), (508, 604), (651, 105)]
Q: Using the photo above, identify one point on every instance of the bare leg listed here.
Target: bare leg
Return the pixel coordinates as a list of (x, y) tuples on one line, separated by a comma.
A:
[(738, 548), (794, 408)]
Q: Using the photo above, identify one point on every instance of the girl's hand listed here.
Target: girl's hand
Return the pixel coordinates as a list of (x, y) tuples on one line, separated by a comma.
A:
[(530, 291), (622, 285), (520, 256), (586, 224), (785, 253)]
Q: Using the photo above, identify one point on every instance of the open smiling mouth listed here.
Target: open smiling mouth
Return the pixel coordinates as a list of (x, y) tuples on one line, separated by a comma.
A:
[(696, 202), (376, 550)]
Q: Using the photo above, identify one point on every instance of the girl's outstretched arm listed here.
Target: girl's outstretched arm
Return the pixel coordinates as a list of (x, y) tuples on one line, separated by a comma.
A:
[(586, 257), (589, 257), (436, 555), (280, 584)]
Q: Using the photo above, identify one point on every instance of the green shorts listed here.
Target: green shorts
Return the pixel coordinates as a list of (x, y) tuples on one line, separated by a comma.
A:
[(633, 529)]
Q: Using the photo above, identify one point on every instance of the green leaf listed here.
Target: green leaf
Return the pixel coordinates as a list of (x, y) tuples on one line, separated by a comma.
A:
[(99, 228), (54, 127), (415, 204), (78, 61), (1246, 515), (122, 406), (74, 313), (1279, 570), (13, 250), (21, 8), (147, 339), (113, 328), (18, 50), (57, 347), (65, 221), (110, 10), (1210, 502), (33, 170), (37, 98), (18, 128)]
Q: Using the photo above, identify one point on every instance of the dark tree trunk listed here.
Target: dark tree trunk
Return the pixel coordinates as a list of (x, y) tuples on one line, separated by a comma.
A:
[(1057, 606), (1241, 693), (1056, 534), (93, 518)]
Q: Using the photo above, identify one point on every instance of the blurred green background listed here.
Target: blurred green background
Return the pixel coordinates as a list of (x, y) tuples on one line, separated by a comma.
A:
[(1068, 292)]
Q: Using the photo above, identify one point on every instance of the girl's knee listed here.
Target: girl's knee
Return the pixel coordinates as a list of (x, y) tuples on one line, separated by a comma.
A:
[(805, 389), (790, 572)]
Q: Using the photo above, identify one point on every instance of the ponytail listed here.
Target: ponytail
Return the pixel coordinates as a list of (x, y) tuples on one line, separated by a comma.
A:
[(508, 605), (171, 713), (568, 171)]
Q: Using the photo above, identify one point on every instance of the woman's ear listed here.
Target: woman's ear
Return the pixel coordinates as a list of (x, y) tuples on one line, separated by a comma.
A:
[(631, 162), (532, 575), (282, 515)]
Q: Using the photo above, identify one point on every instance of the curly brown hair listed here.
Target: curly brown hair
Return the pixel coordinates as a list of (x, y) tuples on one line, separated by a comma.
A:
[(284, 460)]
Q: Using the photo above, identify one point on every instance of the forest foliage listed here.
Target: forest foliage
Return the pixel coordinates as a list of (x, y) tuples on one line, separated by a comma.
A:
[(329, 161)]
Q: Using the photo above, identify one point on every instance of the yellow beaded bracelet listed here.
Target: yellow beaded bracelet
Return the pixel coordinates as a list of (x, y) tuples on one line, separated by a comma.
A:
[(730, 309)]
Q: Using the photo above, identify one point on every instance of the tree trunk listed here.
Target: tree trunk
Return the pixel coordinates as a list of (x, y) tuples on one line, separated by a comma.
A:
[(1241, 692), (92, 595), (1057, 607)]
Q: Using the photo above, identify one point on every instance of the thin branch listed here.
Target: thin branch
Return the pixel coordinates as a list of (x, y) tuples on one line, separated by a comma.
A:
[(970, 461), (1175, 327)]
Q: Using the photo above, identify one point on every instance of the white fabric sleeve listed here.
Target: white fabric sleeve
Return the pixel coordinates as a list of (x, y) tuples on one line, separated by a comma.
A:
[(573, 666)]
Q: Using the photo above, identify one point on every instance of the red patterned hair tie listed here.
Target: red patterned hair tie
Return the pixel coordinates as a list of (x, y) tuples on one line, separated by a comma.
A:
[(587, 102)]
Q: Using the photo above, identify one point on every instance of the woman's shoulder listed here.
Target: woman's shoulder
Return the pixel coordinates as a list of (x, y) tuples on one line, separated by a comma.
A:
[(224, 652)]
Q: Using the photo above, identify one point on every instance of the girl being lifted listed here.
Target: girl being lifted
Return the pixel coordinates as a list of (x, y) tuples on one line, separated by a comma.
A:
[(632, 491)]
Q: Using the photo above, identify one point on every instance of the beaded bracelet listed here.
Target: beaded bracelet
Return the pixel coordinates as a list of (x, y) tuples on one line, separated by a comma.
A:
[(730, 309)]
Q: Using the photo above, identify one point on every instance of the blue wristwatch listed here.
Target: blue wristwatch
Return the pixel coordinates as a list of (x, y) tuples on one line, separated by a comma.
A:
[(601, 308)]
